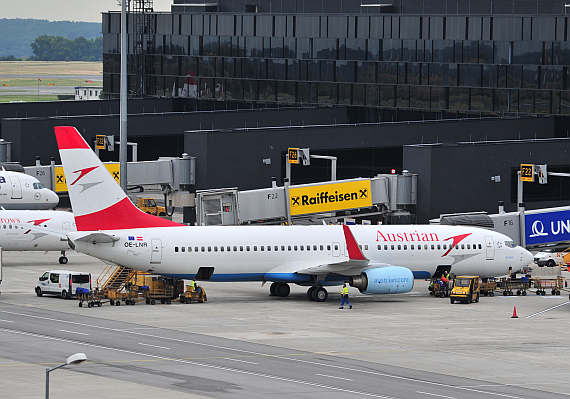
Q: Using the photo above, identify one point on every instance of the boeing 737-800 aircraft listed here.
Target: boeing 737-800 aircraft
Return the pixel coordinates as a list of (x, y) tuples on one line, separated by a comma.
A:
[(22, 191), (374, 259), (17, 232)]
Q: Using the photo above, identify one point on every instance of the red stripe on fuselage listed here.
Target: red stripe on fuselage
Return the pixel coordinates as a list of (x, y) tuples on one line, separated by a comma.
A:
[(120, 216), (69, 138)]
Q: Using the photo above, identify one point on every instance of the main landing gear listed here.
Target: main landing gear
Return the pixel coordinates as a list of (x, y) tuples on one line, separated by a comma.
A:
[(317, 294), (63, 259)]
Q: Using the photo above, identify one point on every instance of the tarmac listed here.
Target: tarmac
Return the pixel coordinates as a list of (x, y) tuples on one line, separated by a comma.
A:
[(410, 337)]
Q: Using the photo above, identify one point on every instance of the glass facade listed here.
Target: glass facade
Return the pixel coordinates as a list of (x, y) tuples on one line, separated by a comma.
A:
[(483, 64)]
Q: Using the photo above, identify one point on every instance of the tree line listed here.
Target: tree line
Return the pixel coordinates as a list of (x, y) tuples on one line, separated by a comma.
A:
[(58, 48)]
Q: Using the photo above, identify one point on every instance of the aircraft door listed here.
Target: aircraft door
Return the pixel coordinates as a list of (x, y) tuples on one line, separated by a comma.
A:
[(16, 187), (156, 254), (336, 249), (490, 247)]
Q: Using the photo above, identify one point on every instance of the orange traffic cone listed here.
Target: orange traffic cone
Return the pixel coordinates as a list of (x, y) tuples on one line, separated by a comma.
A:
[(514, 316)]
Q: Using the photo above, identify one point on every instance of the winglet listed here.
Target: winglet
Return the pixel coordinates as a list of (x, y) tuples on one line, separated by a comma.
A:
[(354, 252)]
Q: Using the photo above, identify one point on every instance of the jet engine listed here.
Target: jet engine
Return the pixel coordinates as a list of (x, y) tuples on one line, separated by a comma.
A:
[(384, 280)]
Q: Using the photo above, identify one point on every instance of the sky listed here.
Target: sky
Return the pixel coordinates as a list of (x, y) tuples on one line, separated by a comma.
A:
[(66, 10)]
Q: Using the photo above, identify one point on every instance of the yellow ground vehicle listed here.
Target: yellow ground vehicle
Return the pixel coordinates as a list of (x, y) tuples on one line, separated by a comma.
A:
[(148, 205), (466, 289), (198, 295)]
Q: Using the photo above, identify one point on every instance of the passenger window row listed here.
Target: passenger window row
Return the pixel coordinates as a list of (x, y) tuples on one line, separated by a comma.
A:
[(255, 248), (425, 247)]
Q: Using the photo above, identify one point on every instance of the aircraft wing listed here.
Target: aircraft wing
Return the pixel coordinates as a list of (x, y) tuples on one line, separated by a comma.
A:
[(355, 263), (94, 237)]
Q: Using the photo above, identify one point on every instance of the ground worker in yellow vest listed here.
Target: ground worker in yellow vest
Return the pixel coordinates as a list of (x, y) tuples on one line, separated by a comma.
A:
[(193, 284), (344, 297)]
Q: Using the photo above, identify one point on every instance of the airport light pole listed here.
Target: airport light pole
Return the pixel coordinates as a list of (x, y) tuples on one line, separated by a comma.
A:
[(73, 359), (123, 100)]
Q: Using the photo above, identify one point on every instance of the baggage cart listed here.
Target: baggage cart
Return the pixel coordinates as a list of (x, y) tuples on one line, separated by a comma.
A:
[(553, 285), (197, 295), (488, 287), (92, 298)]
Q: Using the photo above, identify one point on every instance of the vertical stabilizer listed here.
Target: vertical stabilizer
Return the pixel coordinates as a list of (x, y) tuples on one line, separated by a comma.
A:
[(97, 200)]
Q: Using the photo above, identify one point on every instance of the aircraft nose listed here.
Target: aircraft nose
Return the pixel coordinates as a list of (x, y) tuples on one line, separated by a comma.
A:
[(51, 198), (526, 257)]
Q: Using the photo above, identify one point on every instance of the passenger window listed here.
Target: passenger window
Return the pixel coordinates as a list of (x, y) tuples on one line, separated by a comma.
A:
[(289, 248), (183, 249), (308, 247), (235, 249), (262, 248), (360, 246), (209, 249), (385, 247), (456, 246), (399, 247), (195, 249), (322, 247), (419, 247), (255, 248), (203, 249), (328, 247), (277, 248), (302, 248), (247, 248), (444, 246), (295, 247), (480, 247), (425, 247), (189, 249), (462, 246), (366, 247), (412, 247), (392, 247), (438, 246), (432, 247), (215, 249), (468, 246), (175, 249), (405, 247), (336, 247), (314, 247), (282, 248), (222, 249)]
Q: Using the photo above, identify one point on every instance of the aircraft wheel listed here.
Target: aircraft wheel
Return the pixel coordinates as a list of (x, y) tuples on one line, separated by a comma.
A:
[(320, 294), (282, 290), (63, 260), (310, 293), (39, 291), (273, 289)]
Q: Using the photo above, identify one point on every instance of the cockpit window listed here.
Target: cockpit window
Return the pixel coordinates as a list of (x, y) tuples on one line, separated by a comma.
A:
[(38, 186), (510, 244)]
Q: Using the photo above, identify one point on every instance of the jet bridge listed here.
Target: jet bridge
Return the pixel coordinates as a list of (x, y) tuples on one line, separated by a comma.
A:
[(175, 176), (386, 198)]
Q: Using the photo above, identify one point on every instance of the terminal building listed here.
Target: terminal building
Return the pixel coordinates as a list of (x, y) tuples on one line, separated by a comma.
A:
[(456, 92)]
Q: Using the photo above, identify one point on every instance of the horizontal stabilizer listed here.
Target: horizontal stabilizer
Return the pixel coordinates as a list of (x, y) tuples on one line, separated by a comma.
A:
[(94, 237)]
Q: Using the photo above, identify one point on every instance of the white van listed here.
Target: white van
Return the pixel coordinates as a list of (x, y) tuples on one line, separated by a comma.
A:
[(62, 282)]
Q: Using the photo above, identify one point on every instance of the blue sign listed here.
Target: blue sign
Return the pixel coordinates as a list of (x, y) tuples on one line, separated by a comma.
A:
[(542, 228)]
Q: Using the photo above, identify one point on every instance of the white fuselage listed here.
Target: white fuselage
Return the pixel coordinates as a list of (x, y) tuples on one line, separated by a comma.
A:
[(281, 253), (22, 191), (15, 235)]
